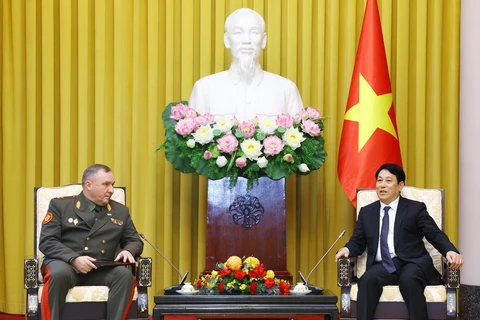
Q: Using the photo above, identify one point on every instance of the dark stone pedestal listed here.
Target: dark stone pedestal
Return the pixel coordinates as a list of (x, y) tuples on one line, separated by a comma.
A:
[(246, 223)]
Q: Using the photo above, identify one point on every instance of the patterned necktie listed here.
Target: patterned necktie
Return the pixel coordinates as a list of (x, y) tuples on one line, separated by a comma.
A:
[(386, 258)]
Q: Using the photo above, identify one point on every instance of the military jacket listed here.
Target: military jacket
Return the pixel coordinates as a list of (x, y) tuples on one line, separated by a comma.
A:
[(70, 229)]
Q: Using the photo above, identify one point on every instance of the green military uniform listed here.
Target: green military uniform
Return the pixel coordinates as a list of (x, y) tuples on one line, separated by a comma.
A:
[(70, 229)]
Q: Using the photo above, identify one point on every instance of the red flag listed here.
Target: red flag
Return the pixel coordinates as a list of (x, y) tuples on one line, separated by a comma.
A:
[(369, 135)]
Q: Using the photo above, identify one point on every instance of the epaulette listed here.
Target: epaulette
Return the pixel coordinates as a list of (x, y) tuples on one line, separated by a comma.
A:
[(66, 198), (118, 202)]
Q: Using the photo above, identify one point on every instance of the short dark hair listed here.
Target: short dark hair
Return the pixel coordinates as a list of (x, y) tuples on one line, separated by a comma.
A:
[(394, 169), (92, 170)]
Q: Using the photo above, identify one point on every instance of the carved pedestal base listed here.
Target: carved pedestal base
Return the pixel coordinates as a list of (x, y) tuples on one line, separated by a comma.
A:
[(246, 224)]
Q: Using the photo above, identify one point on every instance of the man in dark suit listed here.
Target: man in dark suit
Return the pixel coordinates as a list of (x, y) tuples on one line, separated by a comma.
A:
[(78, 232), (392, 230)]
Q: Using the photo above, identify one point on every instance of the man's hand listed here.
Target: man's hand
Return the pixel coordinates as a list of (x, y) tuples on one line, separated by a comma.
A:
[(343, 252), (455, 259), (125, 256), (84, 264)]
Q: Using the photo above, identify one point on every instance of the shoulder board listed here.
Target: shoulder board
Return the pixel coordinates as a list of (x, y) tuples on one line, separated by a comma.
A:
[(116, 202), (66, 198)]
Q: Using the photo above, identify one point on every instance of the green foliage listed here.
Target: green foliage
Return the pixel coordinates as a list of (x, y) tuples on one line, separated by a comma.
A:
[(202, 158)]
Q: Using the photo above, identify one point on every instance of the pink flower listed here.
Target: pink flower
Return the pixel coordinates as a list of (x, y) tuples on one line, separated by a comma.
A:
[(207, 155), (297, 118), (313, 113), (178, 111), (235, 121), (303, 114), (241, 162), (248, 128), (185, 126), (204, 119), (284, 120), (310, 127), (190, 113), (288, 157), (228, 143), (272, 145)]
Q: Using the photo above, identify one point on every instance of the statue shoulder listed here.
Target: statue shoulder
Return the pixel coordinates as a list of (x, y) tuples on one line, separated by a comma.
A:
[(278, 78), (218, 77)]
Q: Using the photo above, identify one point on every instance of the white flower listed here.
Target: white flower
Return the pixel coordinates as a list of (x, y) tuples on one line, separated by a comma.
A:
[(191, 143), (303, 168), (203, 135), (262, 162), (221, 161), (224, 125), (293, 138), (268, 126), (251, 148)]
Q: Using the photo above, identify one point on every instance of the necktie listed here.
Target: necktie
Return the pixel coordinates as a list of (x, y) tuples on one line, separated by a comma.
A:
[(97, 211), (386, 258)]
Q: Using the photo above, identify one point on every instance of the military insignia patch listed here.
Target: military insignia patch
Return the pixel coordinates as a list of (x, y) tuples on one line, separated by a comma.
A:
[(70, 220), (78, 205), (48, 217), (117, 222), (75, 222), (109, 207)]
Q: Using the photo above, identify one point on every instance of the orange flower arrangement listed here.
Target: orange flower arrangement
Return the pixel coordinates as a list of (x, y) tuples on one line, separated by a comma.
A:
[(242, 276)]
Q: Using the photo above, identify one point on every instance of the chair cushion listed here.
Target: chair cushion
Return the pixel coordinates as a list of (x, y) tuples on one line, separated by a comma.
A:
[(86, 294), (392, 294)]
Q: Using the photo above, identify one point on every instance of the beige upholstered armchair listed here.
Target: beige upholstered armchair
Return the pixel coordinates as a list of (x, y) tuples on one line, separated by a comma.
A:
[(83, 302), (441, 300)]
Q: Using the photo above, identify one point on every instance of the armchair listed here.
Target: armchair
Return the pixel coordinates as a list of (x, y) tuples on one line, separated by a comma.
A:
[(441, 299), (83, 302)]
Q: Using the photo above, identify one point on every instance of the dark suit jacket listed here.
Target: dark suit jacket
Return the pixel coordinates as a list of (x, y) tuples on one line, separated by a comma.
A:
[(70, 230), (412, 224)]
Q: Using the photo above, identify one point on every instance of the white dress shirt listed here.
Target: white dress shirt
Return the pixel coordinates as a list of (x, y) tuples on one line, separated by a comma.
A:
[(392, 213)]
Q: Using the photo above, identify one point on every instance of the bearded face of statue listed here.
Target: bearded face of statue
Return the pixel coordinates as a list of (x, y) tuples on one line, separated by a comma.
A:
[(245, 37)]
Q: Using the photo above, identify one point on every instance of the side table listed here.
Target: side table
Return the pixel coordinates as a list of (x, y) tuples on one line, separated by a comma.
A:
[(185, 307)]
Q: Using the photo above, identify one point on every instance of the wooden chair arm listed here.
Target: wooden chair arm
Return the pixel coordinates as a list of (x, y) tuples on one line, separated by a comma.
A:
[(30, 273), (144, 272), (450, 276), (345, 267)]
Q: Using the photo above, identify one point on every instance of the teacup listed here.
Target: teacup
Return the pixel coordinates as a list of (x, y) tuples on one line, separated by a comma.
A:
[(187, 287), (300, 287)]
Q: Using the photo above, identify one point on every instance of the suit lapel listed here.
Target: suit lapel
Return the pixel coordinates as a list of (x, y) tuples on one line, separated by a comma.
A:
[(375, 223), (399, 216), (81, 210)]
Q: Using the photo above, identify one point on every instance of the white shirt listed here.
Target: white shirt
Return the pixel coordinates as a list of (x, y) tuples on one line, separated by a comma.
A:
[(392, 213), (224, 95)]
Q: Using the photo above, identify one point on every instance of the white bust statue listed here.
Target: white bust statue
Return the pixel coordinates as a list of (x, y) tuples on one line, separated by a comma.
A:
[(245, 90)]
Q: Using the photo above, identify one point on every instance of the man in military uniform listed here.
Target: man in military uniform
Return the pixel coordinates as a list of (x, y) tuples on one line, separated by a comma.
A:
[(80, 231)]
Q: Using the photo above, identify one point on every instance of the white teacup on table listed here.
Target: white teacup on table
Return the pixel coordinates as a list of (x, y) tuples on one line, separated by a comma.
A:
[(300, 287), (187, 287)]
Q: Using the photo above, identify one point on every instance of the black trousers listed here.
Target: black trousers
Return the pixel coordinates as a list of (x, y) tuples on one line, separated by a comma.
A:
[(410, 279)]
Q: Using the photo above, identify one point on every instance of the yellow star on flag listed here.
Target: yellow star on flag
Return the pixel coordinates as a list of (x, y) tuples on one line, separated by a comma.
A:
[(371, 112)]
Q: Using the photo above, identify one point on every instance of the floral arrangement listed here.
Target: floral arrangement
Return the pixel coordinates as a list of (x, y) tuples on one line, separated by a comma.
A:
[(242, 276), (249, 149)]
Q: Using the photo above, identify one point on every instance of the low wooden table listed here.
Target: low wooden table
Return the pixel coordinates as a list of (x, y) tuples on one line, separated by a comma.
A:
[(308, 307)]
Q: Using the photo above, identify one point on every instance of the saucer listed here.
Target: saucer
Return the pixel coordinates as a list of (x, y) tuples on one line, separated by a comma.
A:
[(300, 293), (188, 293)]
